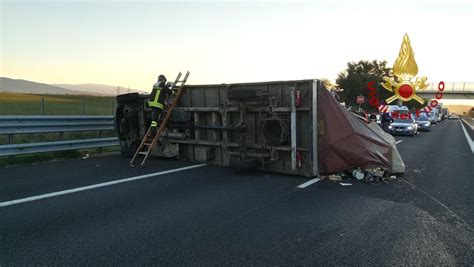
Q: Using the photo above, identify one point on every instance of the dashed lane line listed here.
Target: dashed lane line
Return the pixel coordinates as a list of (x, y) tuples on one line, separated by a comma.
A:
[(90, 187), (308, 183)]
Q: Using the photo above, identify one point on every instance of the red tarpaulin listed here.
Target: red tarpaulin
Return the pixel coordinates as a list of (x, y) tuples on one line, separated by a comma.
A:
[(345, 142)]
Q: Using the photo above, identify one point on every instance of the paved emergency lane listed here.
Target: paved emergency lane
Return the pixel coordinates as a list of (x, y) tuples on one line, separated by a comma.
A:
[(211, 215)]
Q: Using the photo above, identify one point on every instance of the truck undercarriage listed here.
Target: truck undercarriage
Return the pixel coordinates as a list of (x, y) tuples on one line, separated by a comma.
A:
[(269, 126)]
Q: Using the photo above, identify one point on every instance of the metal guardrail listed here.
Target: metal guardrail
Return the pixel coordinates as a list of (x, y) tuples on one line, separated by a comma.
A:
[(468, 121), (54, 124), (20, 149), (11, 125)]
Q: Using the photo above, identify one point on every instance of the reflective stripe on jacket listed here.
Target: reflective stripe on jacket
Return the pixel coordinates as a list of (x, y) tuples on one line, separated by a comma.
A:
[(154, 97)]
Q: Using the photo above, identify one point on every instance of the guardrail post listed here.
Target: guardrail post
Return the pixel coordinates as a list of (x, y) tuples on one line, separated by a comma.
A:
[(61, 136), (10, 141), (100, 136), (112, 105), (83, 106), (42, 106)]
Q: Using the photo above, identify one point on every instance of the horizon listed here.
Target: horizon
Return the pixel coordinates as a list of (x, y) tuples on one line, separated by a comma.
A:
[(127, 44)]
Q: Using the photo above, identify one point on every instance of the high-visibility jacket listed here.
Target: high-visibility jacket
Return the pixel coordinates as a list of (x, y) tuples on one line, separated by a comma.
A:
[(158, 94)]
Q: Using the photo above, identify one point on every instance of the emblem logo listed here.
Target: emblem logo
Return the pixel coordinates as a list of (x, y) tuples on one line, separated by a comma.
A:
[(403, 82)]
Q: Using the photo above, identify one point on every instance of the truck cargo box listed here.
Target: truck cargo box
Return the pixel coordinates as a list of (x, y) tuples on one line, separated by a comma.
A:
[(291, 127), (266, 125)]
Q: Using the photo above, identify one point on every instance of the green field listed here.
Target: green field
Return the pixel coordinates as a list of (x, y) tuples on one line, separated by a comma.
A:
[(29, 104)]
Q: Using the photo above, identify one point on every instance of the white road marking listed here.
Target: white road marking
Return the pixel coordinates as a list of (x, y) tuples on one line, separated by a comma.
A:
[(308, 183), (399, 141), (468, 138), (90, 187)]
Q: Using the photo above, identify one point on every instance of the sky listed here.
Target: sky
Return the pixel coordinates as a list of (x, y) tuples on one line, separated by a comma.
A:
[(129, 43)]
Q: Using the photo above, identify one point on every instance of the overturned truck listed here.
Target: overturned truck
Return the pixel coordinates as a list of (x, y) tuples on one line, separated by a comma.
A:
[(291, 127)]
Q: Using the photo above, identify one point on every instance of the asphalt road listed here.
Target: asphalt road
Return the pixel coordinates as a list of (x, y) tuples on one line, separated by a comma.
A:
[(211, 215)]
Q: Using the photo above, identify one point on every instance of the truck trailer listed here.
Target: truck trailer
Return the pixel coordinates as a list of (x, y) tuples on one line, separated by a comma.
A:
[(266, 125), (271, 126)]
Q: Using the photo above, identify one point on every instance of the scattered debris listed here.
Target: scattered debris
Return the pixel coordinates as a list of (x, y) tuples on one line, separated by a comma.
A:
[(358, 174), (379, 172), (364, 175), (334, 177), (86, 156)]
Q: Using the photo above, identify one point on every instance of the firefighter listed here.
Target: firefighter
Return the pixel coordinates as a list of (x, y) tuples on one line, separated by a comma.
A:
[(157, 100)]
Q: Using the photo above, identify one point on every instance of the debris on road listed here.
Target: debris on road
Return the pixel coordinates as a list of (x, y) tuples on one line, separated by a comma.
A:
[(334, 177), (363, 175), (378, 172), (358, 174)]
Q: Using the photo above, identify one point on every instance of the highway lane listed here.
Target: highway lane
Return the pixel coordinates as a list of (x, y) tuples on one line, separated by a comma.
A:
[(441, 164), (211, 215)]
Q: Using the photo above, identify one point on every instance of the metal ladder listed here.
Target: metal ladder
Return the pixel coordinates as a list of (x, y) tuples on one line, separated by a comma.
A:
[(149, 141)]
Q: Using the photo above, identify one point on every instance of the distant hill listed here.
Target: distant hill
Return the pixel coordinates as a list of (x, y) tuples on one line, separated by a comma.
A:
[(458, 109), (98, 88), (29, 87)]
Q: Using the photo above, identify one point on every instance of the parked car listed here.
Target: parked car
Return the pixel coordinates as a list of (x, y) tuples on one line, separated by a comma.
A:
[(433, 117), (403, 126), (453, 117), (423, 122)]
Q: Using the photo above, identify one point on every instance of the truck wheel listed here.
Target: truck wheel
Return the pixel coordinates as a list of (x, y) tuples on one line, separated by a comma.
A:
[(242, 94), (243, 165), (128, 98)]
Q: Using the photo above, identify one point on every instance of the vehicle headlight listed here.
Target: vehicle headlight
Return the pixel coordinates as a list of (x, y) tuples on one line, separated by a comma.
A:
[(427, 124), (390, 126), (409, 127)]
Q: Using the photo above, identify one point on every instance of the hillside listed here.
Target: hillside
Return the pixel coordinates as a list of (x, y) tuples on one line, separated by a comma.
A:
[(458, 109), (29, 87), (98, 88)]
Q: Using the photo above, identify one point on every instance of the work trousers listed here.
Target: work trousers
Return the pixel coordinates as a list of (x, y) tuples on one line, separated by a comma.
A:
[(155, 116)]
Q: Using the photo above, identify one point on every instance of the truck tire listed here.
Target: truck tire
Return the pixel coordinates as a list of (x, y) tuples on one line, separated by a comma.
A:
[(243, 165), (128, 98), (242, 94)]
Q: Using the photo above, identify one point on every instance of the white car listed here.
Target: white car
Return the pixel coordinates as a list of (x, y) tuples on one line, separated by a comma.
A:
[(453, 117), (403, 126)]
